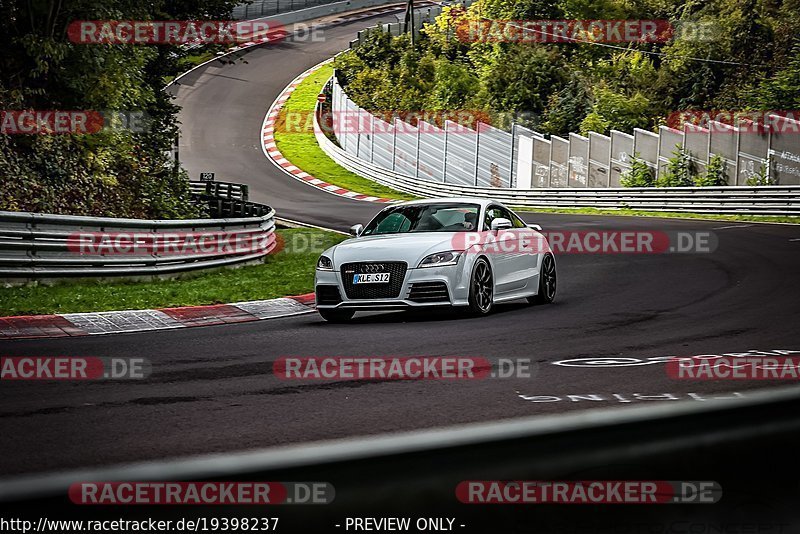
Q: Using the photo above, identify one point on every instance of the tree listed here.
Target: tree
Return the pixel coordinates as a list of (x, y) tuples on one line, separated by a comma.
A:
[(454, 85), (521, 79), (113, 172), (616, 111)]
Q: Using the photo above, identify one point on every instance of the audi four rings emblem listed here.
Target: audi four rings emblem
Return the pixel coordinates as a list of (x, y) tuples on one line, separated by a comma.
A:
[(373, 267)]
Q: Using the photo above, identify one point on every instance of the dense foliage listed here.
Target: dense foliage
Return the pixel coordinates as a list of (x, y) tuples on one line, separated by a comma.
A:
[(751, 52), (115, 172)]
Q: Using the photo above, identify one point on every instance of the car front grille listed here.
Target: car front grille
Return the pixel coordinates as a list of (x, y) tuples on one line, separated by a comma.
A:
[(397, 273), (429, 292), (328, 295)]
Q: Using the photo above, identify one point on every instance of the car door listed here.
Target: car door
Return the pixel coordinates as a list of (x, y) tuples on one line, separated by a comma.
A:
[(522, 259), (526, 261), (503, 247)]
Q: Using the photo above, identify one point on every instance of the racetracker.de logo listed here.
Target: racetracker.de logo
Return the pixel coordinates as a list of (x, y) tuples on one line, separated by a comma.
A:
[(201, 493), (459, 121), (382, 368), (50, 122), (528, 241), (588, 492), (72, 368), (744, 367), (401, 368), (721, 121), (170, 243), (564, 31), (172, 32)]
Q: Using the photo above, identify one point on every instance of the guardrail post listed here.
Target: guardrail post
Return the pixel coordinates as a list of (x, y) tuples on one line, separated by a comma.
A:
[(444, 157), (511, 179), (477, 150), (394, 143), (416, 157)]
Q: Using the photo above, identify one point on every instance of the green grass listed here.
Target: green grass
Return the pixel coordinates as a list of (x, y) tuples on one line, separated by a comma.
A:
[(301, 148), (289, 272), (664, 214), (303, 151), (191, 61)]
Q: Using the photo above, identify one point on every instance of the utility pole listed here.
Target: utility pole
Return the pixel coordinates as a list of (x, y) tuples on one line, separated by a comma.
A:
[(408, 23)]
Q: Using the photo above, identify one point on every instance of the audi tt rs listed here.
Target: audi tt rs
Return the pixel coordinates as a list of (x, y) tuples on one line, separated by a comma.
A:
[(461, 252)]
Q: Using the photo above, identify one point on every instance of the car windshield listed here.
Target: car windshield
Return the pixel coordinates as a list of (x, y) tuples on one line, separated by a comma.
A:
[(445, 217)]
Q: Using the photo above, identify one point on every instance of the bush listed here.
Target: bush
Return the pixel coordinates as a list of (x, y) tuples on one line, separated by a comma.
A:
[(681, 170), (715, 173), (762, 177), (639, 175)]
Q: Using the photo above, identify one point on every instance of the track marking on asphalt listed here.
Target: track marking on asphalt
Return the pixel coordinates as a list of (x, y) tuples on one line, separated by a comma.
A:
[(613, 362), (734, 226), (627, 398)]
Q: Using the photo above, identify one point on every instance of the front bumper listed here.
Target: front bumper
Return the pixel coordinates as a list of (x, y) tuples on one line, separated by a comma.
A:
[(422, 281)]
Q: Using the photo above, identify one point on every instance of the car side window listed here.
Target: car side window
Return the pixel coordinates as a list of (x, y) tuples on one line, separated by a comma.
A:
[(492, 213), (516, 221)]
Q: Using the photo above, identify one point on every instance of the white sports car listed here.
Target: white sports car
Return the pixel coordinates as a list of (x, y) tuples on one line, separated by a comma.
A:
[(463, 252)]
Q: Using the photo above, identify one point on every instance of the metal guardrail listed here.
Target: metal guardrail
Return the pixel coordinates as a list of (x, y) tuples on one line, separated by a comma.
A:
[(226, 199), (764, 200), (419, 470), (486, 156), (35, 246), (220, 189), (265, 8)]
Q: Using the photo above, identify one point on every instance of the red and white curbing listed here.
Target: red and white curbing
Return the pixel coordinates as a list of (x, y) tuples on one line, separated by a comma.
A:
[(272, 153), (117, 322), (281, 34)]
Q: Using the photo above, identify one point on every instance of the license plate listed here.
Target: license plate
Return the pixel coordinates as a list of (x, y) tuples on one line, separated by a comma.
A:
[(371, 278)]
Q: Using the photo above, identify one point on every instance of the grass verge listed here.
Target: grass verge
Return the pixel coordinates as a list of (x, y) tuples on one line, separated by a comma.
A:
[(664, 214), (298, 144), (288, 272), (304, 152)]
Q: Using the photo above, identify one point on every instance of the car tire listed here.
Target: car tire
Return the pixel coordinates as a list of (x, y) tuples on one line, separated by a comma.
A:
[(547, 282), (481, 288), (337, 316)]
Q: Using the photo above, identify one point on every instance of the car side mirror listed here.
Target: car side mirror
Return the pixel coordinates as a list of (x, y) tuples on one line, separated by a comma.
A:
[(356, 230), (501, 224), (535, 227)]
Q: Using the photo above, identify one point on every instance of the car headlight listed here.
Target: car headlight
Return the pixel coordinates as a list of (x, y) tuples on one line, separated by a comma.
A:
[(324, 263), (441, 259)]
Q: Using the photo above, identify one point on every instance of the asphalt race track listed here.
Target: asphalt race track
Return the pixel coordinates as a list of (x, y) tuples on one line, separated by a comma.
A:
[(212, 389)]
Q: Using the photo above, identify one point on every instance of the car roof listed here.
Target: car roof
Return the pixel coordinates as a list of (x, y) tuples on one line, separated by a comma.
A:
[(465, 200)]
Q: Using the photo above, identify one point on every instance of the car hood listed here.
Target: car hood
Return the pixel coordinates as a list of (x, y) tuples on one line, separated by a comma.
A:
[(410, 248)]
